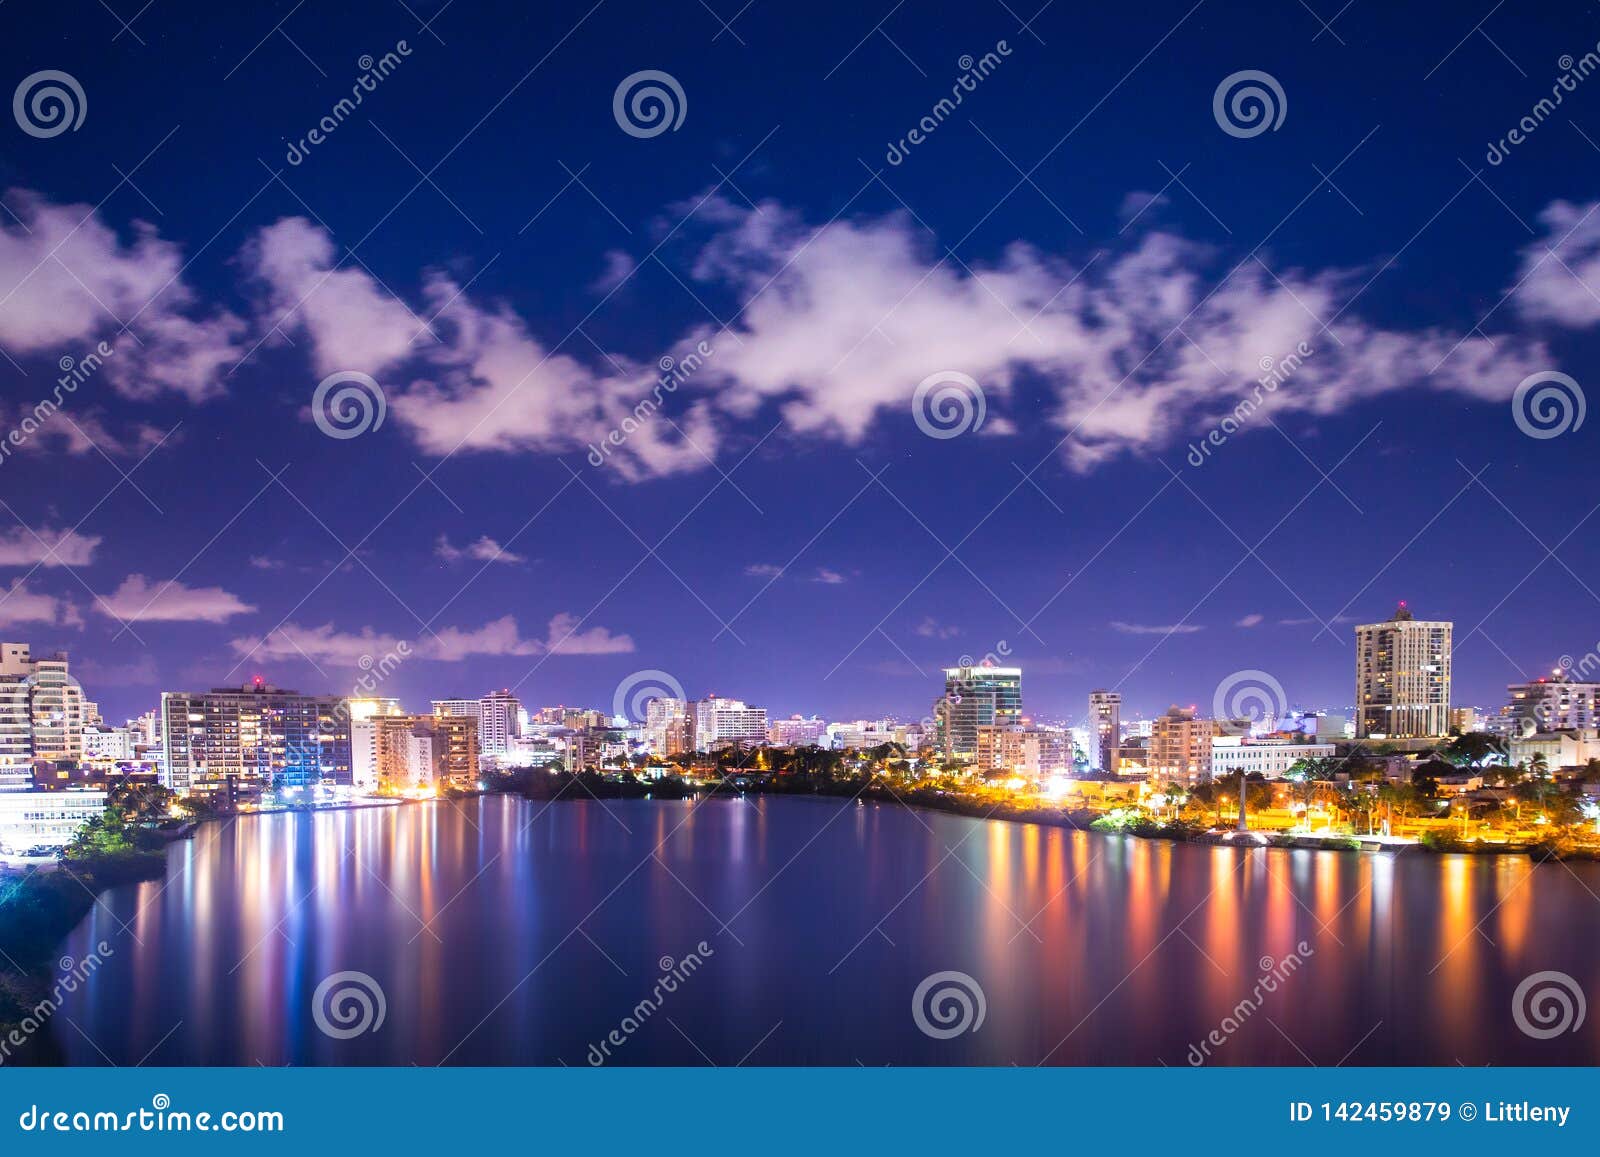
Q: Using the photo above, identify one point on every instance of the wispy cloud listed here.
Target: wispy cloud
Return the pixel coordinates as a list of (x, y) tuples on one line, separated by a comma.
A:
[(485, 549), (1148, 629), (138, 600), (20, 546)]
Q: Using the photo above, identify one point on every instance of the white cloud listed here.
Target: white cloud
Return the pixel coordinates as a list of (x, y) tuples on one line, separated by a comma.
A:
[(485, 549), (479, 381), (261, 562), (1251, 620), (18, 605), (763, 570), (138, 600), (80, 433), (502, 636), (1147, 629), (857, 314), (1559, 278), (565, 638), (66, 278), (45, 547), (827, 577)]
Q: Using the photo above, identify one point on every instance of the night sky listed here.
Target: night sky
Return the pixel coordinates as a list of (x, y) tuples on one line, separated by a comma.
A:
[(1079, 236)]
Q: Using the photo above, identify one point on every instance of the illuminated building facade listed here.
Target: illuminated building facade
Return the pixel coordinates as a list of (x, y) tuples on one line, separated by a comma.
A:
[(1403, 677)]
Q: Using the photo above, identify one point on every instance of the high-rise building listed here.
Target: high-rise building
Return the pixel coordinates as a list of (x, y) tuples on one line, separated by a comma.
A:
[(498, 715), (1180, 747), (41, 713), (410, 752), (1026, 751), (256, 735), (719, 722), (1555, 703), (666, 726), (796, 731), (1105, 735), (1403, 677), (975, 697)]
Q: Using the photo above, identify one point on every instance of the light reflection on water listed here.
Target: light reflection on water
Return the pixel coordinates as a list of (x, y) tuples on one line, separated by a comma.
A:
[(509, 932)]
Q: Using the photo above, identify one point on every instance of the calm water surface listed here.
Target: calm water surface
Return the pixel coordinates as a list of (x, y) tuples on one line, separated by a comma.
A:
[(509, 932)]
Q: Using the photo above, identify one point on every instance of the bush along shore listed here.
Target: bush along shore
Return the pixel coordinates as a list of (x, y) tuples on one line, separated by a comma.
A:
[(981, 801), (40, 907)]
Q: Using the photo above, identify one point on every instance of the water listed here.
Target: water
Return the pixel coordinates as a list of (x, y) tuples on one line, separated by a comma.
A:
[(507, 932)]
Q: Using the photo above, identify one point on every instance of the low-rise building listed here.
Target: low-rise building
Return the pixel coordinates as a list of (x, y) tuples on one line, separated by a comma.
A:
[(1267, 757)]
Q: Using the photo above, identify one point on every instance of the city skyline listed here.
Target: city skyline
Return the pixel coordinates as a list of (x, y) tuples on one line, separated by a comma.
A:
[(1106, 520)]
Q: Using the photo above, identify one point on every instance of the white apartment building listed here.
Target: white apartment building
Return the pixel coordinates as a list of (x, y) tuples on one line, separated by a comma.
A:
[(1271, 758), (41, 713), (37, 820), (1556, 703), (719, 722)]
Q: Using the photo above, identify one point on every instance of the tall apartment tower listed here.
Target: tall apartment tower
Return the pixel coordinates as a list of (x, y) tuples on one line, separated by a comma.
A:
[(1403, 677), (1105, 730), (498, 725), (976, 697), (42, 713)]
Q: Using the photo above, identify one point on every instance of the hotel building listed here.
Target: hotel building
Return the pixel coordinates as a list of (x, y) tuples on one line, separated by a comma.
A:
[(1179, 750), (1105, 729), (1403, 678), (256, 735), (719, 722), (976, 697)]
